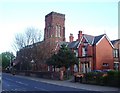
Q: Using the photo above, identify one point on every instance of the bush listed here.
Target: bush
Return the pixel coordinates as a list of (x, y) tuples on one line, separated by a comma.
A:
[(93, 77), (99, 78), (112, 78), (90, 76), (105, 80)]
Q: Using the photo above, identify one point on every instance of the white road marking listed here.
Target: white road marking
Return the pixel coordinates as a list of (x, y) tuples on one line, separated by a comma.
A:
[(21, 83), (41, 89)]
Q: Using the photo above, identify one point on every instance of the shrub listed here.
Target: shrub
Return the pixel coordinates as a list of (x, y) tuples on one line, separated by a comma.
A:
[(99, 77), (105, 80), (112, 78), (90, 76)]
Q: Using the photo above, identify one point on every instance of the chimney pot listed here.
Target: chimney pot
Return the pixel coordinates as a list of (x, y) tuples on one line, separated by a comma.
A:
[(71, 37)]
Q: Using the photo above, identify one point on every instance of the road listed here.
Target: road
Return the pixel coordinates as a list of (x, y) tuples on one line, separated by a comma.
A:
[(15, 83)]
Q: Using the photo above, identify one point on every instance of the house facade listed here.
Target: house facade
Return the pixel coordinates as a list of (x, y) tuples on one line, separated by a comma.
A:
[(116, 54), (94, 52)]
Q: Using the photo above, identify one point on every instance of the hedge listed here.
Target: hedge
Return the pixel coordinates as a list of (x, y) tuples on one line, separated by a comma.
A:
[(111, 78)]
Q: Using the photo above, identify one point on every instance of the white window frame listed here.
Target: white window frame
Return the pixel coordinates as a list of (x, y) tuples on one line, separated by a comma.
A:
[(115, 53), (83, 51)]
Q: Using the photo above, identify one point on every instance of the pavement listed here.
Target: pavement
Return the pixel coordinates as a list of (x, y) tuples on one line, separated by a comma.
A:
[(77, 85)]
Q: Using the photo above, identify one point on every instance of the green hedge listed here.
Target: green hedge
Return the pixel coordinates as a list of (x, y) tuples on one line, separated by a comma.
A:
[(112, 78)]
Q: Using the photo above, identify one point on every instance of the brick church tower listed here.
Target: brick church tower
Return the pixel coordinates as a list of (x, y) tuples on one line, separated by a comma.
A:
[(54, 27)]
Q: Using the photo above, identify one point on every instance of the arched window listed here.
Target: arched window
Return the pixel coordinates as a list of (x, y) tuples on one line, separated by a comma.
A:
[(56, 30), (57, 33)]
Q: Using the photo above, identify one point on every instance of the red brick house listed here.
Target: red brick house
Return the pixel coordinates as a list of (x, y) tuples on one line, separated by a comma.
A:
[(116, 54), (97, 54)]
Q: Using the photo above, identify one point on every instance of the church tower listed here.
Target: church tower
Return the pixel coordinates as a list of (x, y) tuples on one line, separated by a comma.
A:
[(54, 27)]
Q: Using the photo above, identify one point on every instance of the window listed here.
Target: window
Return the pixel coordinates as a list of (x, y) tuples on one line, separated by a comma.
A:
[(48, 68), (115, 52), (76, 53), (75, 68), (58, 28), (56, 31), (105, 64), (83, 51), (116, 65)]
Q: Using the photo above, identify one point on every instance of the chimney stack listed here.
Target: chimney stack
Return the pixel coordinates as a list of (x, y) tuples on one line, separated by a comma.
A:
[(80, 35), (71, 38)]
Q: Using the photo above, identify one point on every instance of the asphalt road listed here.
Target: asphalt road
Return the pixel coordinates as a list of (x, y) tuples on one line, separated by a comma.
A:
[(14, 84)]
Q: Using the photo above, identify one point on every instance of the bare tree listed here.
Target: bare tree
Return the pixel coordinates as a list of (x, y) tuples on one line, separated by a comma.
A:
[(30, 37), (19, 41)]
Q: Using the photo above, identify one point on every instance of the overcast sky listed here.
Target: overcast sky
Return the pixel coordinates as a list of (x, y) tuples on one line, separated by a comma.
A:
[(92, 18)]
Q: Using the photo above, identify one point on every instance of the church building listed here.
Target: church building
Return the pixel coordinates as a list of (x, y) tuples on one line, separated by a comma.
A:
[(35, 55)]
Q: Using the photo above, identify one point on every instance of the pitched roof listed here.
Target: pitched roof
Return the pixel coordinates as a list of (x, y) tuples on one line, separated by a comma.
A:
[(114, 41), (89, 38), (93, 40), (73, 44), (97, 38)]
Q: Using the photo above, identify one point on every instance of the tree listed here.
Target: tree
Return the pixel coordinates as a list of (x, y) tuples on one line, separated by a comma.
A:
[(19, 42), (67, 57), (64, 58), (53, 61), (7, 57), (30, 37), (23, 41)]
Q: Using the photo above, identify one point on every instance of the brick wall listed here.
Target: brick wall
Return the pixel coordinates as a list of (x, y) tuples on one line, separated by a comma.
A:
[(52, 20), (104, 54)]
